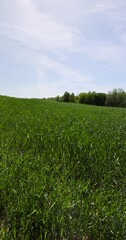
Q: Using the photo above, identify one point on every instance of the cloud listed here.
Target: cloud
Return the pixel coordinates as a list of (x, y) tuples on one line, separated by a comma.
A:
[(58, 38), (60, 75), (26, 24), (39, 29)]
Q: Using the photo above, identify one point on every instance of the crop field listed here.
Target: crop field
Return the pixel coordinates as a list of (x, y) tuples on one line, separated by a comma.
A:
[(62, 171)]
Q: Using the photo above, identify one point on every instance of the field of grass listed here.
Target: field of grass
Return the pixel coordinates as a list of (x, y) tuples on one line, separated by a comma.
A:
[(62, 171)]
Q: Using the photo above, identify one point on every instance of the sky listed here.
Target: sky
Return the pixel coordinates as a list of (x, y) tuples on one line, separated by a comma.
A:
[(48, 47)]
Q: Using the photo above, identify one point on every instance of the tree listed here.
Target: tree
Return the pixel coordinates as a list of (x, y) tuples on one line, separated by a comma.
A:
[(66, 97), (116, 98), (121, 98), (100, 99), (83, 98), (92, 98), (72, 97)]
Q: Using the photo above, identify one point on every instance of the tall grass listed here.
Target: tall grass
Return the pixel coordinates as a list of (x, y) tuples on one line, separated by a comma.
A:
[(63, 171)]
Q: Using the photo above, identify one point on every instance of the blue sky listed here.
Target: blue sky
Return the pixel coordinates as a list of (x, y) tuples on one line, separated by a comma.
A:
[(48, 47)]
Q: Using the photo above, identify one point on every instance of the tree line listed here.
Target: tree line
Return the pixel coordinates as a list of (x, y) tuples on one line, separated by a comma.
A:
[(114, 98)]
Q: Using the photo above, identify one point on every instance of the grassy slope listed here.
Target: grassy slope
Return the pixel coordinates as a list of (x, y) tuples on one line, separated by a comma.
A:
[(63, 170)]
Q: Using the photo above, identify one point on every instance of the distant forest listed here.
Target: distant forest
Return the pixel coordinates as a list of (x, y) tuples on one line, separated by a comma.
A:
[(115, 98)]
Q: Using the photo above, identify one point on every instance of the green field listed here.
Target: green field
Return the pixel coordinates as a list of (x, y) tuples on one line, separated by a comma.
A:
[(62, 171)]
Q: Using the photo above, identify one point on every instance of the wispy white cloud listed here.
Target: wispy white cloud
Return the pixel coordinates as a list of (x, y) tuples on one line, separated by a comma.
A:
[(39, 30), (36, 29), (51, 36)]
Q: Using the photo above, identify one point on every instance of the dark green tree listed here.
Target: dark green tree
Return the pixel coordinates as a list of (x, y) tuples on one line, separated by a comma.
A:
[(66, 97), (116, 98), (100, 99), (83, 98), (72, 97)]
